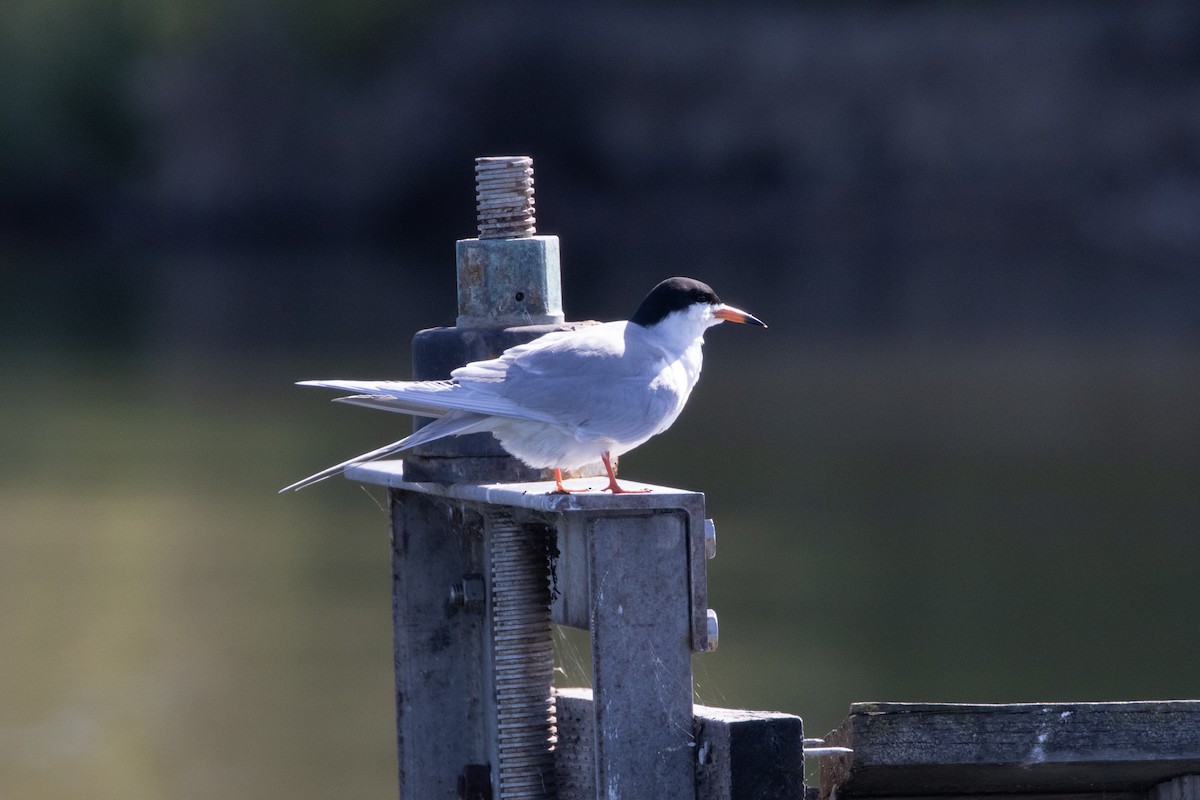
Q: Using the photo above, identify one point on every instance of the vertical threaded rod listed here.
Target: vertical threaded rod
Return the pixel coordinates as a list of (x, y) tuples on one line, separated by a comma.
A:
[(522, 659), (504, 197)]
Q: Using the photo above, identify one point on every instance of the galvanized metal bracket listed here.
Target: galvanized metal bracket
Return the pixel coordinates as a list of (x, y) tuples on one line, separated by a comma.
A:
[(630, 569), (577, 518)]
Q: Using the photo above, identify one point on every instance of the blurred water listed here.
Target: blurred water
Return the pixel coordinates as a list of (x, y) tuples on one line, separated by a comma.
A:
[(932, 521), (171, 628)]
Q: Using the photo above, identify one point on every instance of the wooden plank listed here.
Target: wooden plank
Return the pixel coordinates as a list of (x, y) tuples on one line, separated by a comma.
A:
[(904, 749)]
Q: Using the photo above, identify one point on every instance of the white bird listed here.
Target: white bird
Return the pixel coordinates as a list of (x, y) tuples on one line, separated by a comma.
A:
[(566, 398)]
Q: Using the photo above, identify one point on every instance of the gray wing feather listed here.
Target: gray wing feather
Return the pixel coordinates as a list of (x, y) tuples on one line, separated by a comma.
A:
[(382, 402), (453, 424), (423, 397)]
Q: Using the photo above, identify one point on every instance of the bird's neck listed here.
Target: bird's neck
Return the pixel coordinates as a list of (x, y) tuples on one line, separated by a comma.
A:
[(680, 335)]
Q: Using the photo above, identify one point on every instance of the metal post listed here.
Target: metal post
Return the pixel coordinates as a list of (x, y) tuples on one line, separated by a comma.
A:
[(474, 653), (629, 568), (485, 556), (439, 649)]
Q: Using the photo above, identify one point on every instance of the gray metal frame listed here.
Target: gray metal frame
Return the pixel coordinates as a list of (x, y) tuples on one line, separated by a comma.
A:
[(630, 569)]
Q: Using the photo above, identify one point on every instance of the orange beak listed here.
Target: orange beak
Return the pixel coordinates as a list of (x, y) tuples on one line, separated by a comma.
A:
[(731, 314)]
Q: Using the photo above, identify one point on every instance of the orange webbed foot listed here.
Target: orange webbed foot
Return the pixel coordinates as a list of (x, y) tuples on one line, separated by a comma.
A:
[(560, 489), (613, 486)]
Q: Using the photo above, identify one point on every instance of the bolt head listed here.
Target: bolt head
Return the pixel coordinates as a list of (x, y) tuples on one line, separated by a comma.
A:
[(712, 630), (469, 593)]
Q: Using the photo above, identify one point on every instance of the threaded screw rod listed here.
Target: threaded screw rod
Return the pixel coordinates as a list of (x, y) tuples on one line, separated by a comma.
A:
[(522, 659), (504, 197)]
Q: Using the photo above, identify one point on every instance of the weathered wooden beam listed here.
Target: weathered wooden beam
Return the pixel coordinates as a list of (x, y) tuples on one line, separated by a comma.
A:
[(907, 749)]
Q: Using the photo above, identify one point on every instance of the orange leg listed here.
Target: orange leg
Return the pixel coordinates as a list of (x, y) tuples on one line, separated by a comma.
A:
[(613, 486), (558, 484)]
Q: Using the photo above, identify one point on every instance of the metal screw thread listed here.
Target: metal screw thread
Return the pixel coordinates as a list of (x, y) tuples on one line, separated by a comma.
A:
[(504, 197), (522, 659)]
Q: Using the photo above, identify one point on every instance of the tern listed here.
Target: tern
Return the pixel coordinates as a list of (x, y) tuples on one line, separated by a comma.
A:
[(567, 398)]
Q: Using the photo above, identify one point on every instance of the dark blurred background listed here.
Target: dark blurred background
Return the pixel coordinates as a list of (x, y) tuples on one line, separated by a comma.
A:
[(961, 465)]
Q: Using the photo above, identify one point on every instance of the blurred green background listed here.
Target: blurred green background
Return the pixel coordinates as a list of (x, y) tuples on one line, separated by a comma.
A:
[(961, 465)]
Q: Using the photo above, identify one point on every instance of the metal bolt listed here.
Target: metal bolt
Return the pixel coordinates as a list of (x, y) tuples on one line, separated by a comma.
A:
[(816, 748), (712, 630), (504, 197), (508, 276), (710, 539), (469, 593)]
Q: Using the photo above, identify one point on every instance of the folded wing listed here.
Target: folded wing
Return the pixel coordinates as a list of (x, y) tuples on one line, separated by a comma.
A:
[(431, 398), (454, 423)]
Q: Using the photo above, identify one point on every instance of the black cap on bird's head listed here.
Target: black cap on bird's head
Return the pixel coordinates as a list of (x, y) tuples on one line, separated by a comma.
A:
[(676, 294)]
